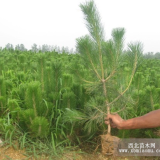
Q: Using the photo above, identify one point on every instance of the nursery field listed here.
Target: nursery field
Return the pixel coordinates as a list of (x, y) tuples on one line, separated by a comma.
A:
[(53, 105), (39, 92)]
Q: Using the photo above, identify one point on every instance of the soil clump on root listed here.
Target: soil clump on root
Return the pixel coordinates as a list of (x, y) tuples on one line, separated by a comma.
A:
[(109, 144)]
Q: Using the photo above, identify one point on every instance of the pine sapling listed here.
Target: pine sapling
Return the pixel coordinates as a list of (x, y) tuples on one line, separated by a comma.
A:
[(103, 59)]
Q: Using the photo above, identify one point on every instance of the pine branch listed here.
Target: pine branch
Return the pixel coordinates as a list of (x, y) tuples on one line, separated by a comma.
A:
[(98, 76), (133, 71), (112, 73), (93, 22)]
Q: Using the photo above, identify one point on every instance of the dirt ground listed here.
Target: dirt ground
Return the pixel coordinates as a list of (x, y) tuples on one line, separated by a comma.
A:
[(9, 153)]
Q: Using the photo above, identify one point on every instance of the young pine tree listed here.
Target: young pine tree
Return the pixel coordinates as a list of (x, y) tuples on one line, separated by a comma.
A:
[(36, 124), (2, 95), (103, 60)]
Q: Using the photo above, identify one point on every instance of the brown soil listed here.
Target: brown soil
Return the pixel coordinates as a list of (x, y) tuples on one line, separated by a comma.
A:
[(107, 143), (9, 153)]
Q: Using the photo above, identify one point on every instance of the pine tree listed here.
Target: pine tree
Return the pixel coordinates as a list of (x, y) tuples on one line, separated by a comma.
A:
[(104, 59), (2, 95), (34, 97)]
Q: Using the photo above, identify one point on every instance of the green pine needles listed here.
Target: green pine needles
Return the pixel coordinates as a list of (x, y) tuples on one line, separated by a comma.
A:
[(104, 60), (59, 99), (38, 126), (2, 95), (33, 96)]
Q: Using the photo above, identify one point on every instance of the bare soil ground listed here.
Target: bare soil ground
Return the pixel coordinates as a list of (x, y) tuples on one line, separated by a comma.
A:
[(9, 153)]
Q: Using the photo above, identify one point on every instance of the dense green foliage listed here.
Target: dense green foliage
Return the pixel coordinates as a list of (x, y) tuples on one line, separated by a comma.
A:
[(36, 89), (61, 98)]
